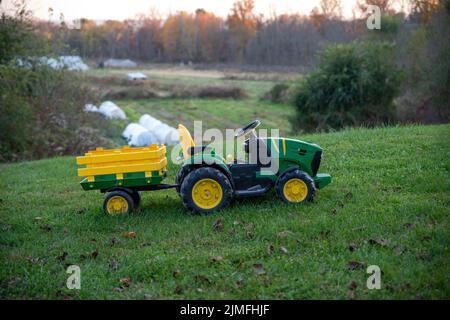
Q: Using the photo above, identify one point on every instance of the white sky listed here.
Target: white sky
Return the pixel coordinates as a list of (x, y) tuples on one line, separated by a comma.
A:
[(123, 9)]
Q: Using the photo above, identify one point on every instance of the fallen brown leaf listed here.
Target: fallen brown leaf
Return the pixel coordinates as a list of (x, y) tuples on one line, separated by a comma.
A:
[(352, 286), (353, 265), (217, 258), (259, 269), (178, 290), (408, 225), (46, 227), (202, 278), (352, 246), (113, 241), (218, 225), (129, 234), (62, 257), (351, 295), (422, 255), (94, 254), (14, 280), (125, 282), (380, 242), (351, 290)]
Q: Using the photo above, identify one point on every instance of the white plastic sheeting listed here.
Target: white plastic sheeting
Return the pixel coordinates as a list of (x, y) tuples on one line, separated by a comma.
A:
[(72, 63), (166, 134), (90, 108), (149, 131), (119, 63), (131, 129), (108, 109), (111, 111), (149, 122), (139, 136), (136, 76)]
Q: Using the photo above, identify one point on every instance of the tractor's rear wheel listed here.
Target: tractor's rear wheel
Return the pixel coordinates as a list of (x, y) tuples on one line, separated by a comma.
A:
[(205, 190), (295, 187), (118, 203)]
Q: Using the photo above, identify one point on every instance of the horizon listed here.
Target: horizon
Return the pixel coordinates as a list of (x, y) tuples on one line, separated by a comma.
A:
[(95, 10)]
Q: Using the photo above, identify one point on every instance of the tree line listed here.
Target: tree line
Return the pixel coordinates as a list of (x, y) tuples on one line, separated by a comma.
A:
[(243, 37), (202, 37)]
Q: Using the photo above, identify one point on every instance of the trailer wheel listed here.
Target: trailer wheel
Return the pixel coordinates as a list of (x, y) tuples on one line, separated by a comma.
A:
[(117, 203), (295, 187), (205, 190)]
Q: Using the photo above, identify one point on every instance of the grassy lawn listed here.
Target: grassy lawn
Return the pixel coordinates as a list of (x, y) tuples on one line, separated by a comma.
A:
[(388, 205)]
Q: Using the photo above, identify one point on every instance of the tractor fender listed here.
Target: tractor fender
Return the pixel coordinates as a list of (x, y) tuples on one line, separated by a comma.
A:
[(286, 171)]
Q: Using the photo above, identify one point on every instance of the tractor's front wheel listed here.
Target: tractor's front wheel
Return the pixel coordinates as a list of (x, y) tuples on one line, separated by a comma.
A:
[(295, 187), (205, 190), (118, 203)]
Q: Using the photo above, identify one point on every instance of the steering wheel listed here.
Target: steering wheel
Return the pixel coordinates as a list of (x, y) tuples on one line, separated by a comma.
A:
[(247, 129)]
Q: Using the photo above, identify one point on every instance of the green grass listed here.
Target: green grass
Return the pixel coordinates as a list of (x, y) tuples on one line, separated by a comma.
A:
[(391, 186), (214, 113)]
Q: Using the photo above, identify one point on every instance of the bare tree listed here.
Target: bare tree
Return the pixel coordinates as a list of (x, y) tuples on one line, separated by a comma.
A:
[(331, 8)]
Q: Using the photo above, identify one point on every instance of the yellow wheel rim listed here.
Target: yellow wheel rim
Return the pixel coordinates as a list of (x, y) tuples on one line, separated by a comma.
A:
[(207, 193), (295, 190), (117, 205)]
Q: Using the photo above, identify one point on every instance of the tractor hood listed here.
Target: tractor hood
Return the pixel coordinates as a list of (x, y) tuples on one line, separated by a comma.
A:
[(294, 152)]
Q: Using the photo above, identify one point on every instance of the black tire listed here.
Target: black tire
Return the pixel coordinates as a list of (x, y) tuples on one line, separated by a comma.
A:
[(136, 198), (205, 173), (295, 174), (129, 207), (181, 174)]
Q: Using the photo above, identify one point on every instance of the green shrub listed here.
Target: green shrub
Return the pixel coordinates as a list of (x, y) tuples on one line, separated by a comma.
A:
[(279, 93), (41, 114), (354, 84)]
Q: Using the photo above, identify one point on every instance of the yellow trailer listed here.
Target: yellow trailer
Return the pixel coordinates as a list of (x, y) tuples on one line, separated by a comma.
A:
[(123, 173)]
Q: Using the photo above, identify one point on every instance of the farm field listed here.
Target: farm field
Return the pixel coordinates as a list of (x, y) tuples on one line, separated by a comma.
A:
[(218, 113), (387, 205)]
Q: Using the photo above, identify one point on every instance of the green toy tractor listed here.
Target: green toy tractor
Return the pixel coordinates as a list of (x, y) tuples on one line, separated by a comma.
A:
[(206, 182)]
